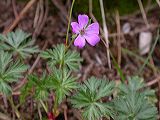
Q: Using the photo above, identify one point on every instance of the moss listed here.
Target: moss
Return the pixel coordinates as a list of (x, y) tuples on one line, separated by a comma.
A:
[(124, 6), (82, 6)]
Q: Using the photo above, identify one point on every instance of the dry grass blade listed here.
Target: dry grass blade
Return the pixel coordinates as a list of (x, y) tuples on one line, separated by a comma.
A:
[(105, 32), (118, 38), (143, 13), (158, 2), (20, 16)]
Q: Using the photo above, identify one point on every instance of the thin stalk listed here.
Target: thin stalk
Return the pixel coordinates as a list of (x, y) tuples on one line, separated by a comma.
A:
[(70, 15), (55, 106), (39, 112), (14, 107), (66, 48), (70, 43), (149, 55), (118, 68), (105, 33), (44, 106)]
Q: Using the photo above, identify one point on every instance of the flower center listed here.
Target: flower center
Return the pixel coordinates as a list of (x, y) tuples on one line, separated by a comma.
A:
[(82, 32)]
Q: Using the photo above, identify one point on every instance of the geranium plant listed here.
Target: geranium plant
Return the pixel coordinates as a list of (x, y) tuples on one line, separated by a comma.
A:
[(95, 98)]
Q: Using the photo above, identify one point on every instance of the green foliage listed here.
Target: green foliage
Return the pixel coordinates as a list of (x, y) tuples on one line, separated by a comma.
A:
[(18, 43), (10, 71), (136, 84), (62, 82), (38, 86), (133, 102), (59, 56), (88, 98)]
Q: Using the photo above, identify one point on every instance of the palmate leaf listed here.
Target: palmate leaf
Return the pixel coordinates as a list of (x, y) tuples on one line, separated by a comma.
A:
[(59, 55), (135, 84), (134, 106), (18, 43), (88, 98), (133, 102), (9, 71), (62, 82), (40, 85), (5, 88)]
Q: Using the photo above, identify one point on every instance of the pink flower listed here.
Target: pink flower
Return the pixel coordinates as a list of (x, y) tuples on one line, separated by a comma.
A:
[(85, 32)]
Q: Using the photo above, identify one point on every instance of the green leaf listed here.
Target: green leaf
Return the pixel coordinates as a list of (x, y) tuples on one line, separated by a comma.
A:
[(135, 84), (5, 88), (134, 102), (40, 85), (59, 56), (18, 43), (134, 106), (62, 82), (88, 98), (9, 71)]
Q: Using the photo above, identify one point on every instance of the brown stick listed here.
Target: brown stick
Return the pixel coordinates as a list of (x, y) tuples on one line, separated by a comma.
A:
[(105, 33), (118, 38), (20, 16), (158, 2), (4, 116), (136, 31), (143, 13), (14, 8), (157, 79)]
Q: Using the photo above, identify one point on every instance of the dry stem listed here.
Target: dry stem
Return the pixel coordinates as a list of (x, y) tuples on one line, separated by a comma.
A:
[(20, 16), (105, 32)]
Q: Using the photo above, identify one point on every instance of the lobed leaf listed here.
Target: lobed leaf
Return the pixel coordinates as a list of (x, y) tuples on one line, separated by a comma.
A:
[(88, 98), (18, 43), (59, 56), (10, 71)]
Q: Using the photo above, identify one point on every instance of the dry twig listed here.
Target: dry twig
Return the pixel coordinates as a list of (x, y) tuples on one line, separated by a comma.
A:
[(40, 17), (4, 117), (136, 31), (158, 2), (118, 38), (20, 16), (105, 32), (152, 82), (14, 8), (143, 13)]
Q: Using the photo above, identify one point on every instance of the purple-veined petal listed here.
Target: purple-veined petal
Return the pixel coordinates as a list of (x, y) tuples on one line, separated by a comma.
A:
[(92, 29), (75, 27), (79, 41), (92, 39), (83, 20)]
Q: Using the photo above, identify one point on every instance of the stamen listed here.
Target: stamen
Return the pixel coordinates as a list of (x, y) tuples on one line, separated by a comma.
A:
[(82, 32)]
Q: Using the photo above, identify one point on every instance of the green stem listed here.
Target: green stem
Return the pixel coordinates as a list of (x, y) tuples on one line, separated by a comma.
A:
[(70, 43), (44, 106), (70, 15), (14, 107), (55, 106), (118, 68), (66, 48)]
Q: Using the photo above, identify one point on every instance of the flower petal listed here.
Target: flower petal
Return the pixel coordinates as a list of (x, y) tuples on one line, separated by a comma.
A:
[(79, 41), (92, 39), (92, 29), (75, 27), (83, 20)]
